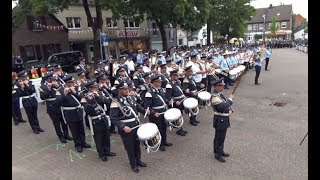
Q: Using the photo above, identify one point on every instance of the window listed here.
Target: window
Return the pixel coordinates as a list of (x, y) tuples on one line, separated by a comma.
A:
[(261, 26), (255, 26), (283, 25), (94, 19), (130, 23), (180, 42), (154, 29), (111, 23), (73, 22), (249, 27), (249, 38), (27, 52)]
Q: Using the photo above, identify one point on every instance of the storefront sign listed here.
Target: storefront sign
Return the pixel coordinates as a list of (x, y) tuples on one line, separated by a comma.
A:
[(130, 33)]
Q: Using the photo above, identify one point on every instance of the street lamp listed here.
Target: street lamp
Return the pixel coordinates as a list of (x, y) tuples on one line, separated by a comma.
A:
[(264, 29), (278, 14)]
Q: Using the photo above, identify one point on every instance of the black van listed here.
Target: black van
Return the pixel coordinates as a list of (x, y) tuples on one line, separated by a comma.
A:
[(67, 60)]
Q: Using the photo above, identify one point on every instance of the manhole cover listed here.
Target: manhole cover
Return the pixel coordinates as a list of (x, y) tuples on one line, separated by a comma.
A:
[(279, 103)]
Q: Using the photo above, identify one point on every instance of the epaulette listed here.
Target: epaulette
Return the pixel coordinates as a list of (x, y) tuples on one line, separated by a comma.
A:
[(114, 105), (58, 93), (168, 86), (185, 80), (135, 77), (77, 67), (83, 100), (215, 99), (148, 94), (40, 90)]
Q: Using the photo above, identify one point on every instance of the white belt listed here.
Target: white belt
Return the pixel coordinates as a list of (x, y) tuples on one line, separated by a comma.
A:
[(25, 97), (98, 116), (71, 108), (128, 120), (221, 114), (50, 99), (159, 107), (194, 91), (179, 97)]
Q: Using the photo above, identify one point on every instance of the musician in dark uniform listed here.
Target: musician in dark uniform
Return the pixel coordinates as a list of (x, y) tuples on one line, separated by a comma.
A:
[(189, 87), (222, 110), (48, 93), (164, 75), (16, 111), (99, 124), (26, 91), (175, 94), (137, 77), (68, 97), (124, 115), (156, 103), (82, 89), (83, 67), (144, 88), (100, 70)]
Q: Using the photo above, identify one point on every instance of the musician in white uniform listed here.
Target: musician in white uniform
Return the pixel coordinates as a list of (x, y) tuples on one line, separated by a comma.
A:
[(197, 72)]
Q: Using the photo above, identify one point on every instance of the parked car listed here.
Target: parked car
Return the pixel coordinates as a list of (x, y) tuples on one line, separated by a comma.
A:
[(17, 64)]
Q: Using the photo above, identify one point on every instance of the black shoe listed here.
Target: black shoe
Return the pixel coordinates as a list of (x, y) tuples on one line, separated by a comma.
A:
[(23, 121), (225, 154), (184, 131), (257, 83), (104, 158), (193, 123), (135, 169), (267, 70), (142, 164), (162, 148), (196, 121), (79, 149), (69, 138), (16, 123), (226, 87), (113, 132), (167, 144), (36, 131), (220, 158), (86, 145), (63, 140), (111, 154), (181, 133), (40, 130), (230, 84)]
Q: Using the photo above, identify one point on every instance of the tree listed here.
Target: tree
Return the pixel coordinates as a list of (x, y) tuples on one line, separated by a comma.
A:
[(42, 7), (228, 17), (274, 27)]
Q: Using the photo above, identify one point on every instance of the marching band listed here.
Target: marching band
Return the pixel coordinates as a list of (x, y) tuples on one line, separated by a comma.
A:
[(159, 88)]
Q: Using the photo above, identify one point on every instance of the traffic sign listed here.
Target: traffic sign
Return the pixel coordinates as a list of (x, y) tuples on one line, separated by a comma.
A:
[(105, 39)]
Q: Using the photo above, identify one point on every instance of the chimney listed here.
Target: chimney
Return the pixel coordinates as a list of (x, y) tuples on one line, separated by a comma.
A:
[(270, 6)]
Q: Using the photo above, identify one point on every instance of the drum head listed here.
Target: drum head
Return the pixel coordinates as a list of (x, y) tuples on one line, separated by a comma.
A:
[(172, 114), (190, 103), (147, 131), (242, 67), (204, 95), (232, 72), (218, 71)]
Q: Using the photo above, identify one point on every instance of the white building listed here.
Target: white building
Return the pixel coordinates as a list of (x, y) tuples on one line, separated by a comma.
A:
[(300, 35), (197, 38)]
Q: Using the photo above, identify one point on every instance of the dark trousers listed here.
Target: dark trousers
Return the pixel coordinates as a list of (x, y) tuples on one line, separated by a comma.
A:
[(226, 79), (204, 81), (162, 126), (209, 86), (16, 112), (33, 117), (59, 123), (181, 110), (101, 136), (132, 146), (258, 69), (218, 141), (78, 134), (193, 118), (267, 62)]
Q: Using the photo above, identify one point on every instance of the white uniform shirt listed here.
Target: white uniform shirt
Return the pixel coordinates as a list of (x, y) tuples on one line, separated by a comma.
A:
[(130, 65), (146, 69), (195, 68)]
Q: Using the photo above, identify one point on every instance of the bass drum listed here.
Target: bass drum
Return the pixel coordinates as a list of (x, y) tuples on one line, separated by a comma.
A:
[(174, 117), (150, 136)]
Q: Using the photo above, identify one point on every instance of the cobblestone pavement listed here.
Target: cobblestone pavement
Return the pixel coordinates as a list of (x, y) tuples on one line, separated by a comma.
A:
[(263, 140)]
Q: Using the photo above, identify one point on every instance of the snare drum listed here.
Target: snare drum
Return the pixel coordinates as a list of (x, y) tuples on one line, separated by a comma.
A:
[(149, 134), (174, 117), (233, 74), (204, 98), (191, 105)]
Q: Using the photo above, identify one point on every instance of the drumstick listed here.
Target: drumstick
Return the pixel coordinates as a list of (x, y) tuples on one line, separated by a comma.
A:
[(145, 114)]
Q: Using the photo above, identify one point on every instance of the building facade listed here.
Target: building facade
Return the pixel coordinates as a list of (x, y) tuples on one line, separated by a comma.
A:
[(121, 33), (260, 23), (198, 38), (156, 39), (38, 38)]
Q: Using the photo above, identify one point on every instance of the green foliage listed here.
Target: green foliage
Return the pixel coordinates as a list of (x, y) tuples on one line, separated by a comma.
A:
[(258, 36), (274, 27), (230, 16)]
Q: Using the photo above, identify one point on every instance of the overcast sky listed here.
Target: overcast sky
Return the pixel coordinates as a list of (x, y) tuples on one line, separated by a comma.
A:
[(298, 6)]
